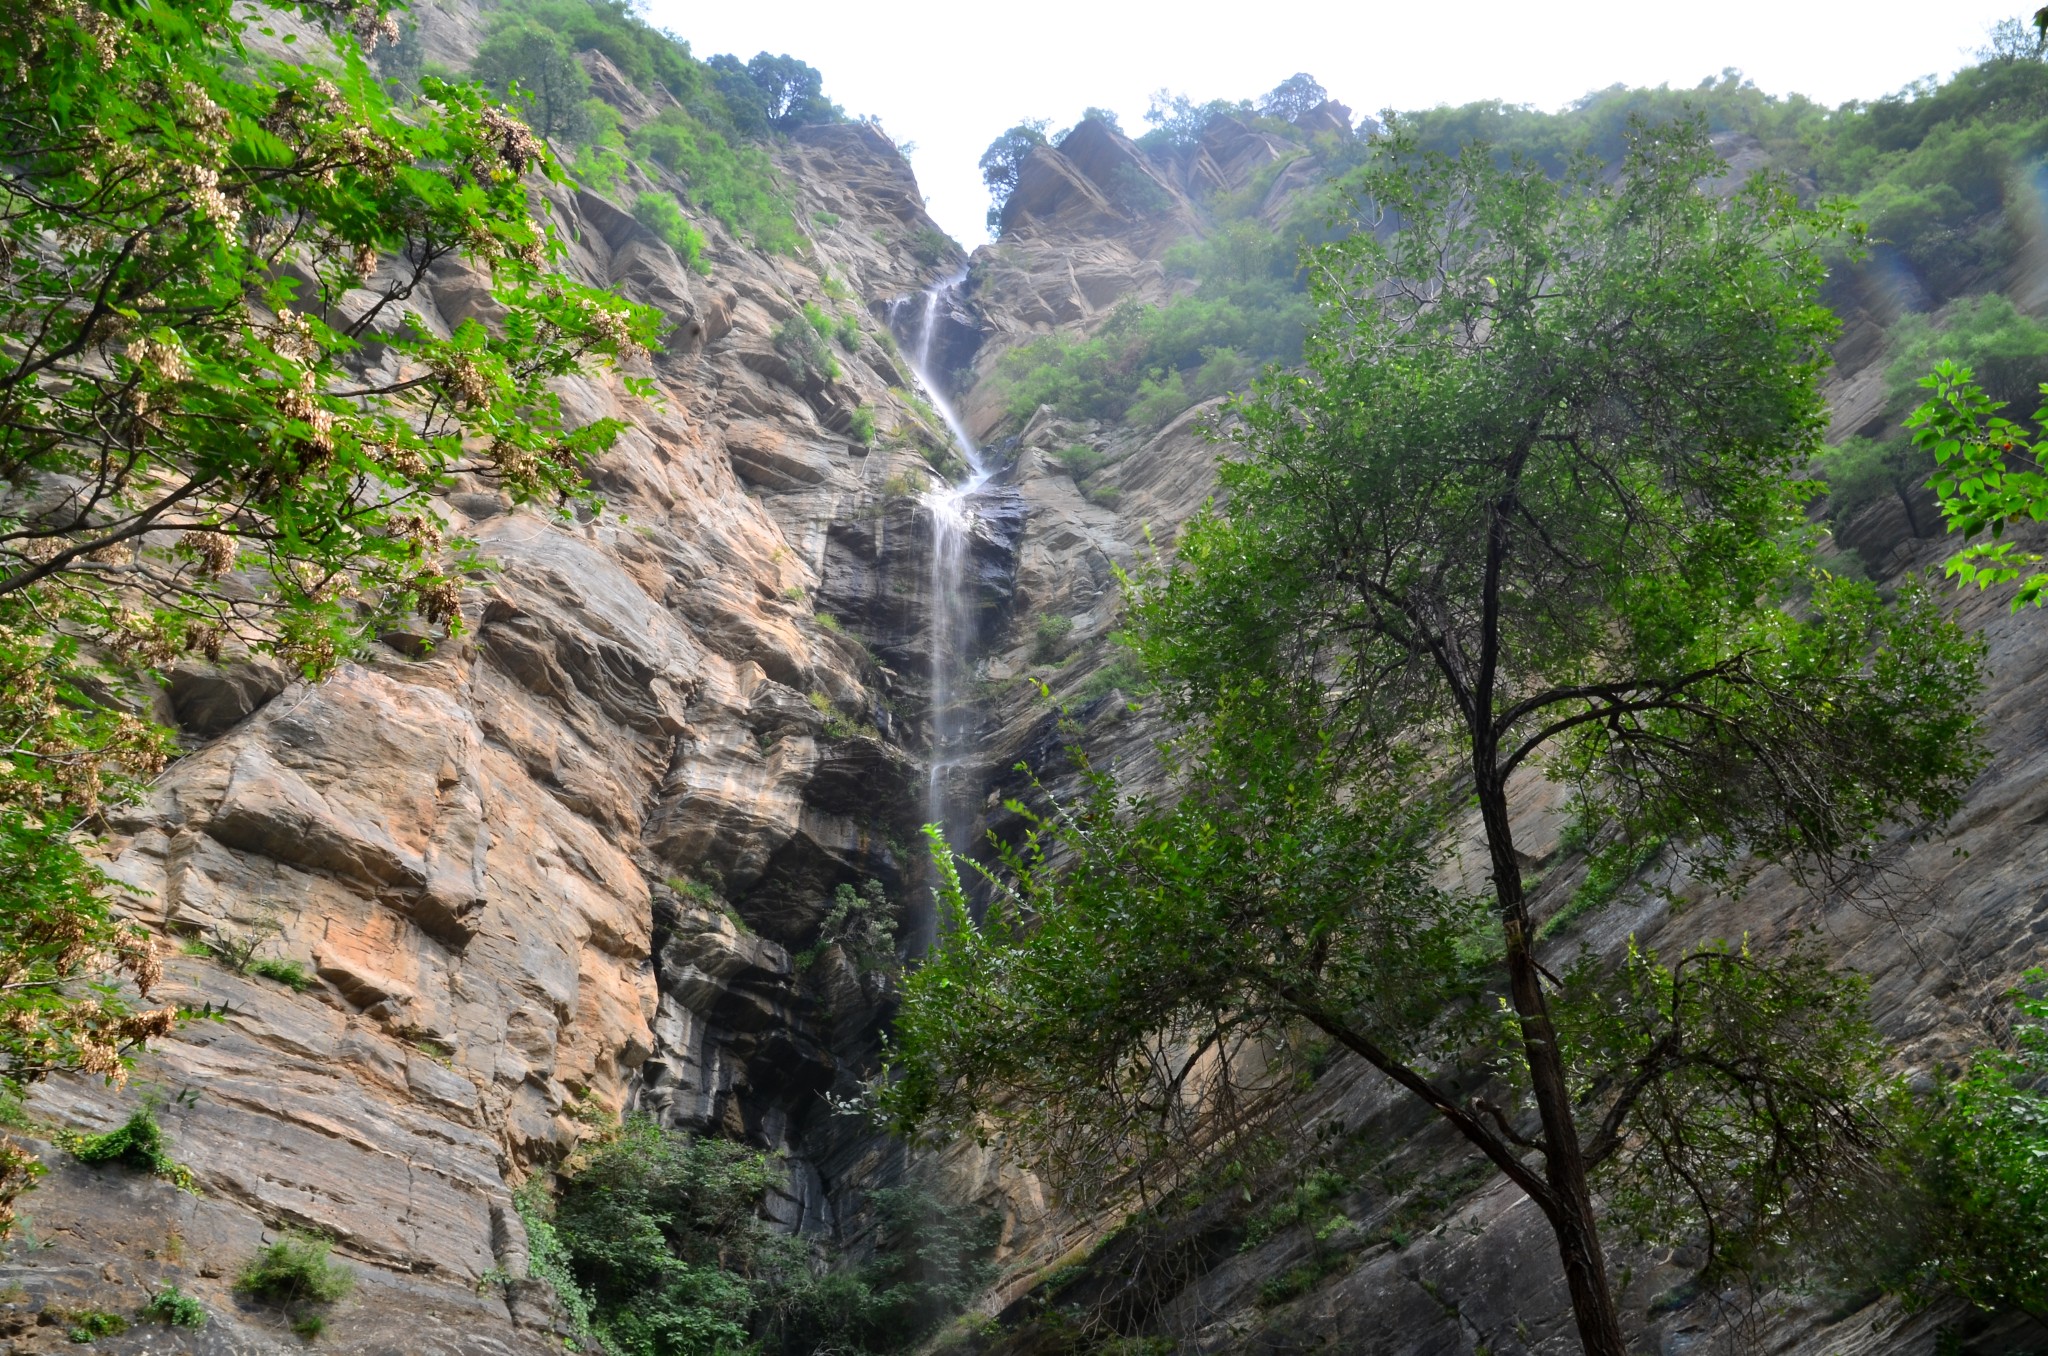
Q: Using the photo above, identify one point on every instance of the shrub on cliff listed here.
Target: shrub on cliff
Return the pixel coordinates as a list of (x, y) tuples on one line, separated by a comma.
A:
[(797, 339), (650, 58), (174, 1308), (1004, 160), (731, 180), (712, 111), (658, 213), (138, 1143), (1249, 307), (297, 1275), (861, 425), (1967, 1202), (197, 458)]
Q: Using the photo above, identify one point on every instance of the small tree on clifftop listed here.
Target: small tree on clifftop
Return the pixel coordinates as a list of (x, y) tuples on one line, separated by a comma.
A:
[(1535, 503), (1004, 160)]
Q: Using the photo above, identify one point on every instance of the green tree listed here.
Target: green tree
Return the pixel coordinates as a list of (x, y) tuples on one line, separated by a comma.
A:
[(2016, 39), (745, 102), (792, 92), (1004, 160), (535, 66), (658, 1245), (1988, 475), (2005, 352), (1535, 503), (220, 425), (1293, 97), (1106, 116), (1976, 1169), (1177, 122)]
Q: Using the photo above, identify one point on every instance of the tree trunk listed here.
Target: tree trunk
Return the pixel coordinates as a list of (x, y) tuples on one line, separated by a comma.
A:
[(1574, 1223)]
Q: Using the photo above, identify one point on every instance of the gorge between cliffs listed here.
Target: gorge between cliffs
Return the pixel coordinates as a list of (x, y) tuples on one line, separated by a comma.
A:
[(534, 956)]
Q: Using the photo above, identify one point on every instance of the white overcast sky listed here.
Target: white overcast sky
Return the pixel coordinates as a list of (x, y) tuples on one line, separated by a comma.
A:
[(951, 77)]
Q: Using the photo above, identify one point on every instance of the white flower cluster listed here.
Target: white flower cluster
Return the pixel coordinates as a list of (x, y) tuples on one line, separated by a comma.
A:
[(613, 326), (212, 204), (371, 25), (465, 380), (296, 402), (517, 146), (216, 550), (161, 359), (292, 335)]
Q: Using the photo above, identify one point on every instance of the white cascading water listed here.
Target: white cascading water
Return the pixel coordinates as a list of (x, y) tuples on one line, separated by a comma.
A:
[(953, 592)]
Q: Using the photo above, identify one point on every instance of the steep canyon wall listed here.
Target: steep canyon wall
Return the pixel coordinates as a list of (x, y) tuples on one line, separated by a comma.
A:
[(562, 864)]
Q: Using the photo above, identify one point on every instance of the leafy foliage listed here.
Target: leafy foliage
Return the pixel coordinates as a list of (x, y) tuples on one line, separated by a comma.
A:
[(2005, 351), (773, 92), (1049, 637), (800, 340), (658, 213), (1607, 871), (1931, 164), (1986, 478), (1757, 1084), (1249, 306), (222, 422), (1978, 1165), (1536, 498), (652, 60), (1004, 159), (863, 922), (295, 1271), (731, 180), (139, 1143), (1107, 117), (929, 246), (89, 1325), (705, 131), (657, 1245), (547, 1257), (1293, 98), (173, 1306), (535, 68), (228, 395), (289, 973), (1177, 122), (861, 424)]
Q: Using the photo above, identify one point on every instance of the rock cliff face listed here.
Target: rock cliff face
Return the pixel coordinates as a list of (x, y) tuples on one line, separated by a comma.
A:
[(1474, 1270), (564, 861)]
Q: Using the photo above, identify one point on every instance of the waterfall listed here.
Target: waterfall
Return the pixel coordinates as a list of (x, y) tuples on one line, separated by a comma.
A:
[(954, 596)]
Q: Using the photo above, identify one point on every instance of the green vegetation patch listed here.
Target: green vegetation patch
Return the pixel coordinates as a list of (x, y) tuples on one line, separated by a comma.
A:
[(289, 973), (709, 135), (862, 425), (655, 1243), (1146, 364), (173, 1306), (1049, 637), (89, 1325), (295, 1271), (659, 213), (139, 1143), (800, 340)]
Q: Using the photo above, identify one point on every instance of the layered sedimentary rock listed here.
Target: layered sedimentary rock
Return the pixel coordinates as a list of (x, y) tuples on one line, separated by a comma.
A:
[(563, 862)]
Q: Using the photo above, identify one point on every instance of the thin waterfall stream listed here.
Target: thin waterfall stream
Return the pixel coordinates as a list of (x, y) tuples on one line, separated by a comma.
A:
[(955, 599)]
